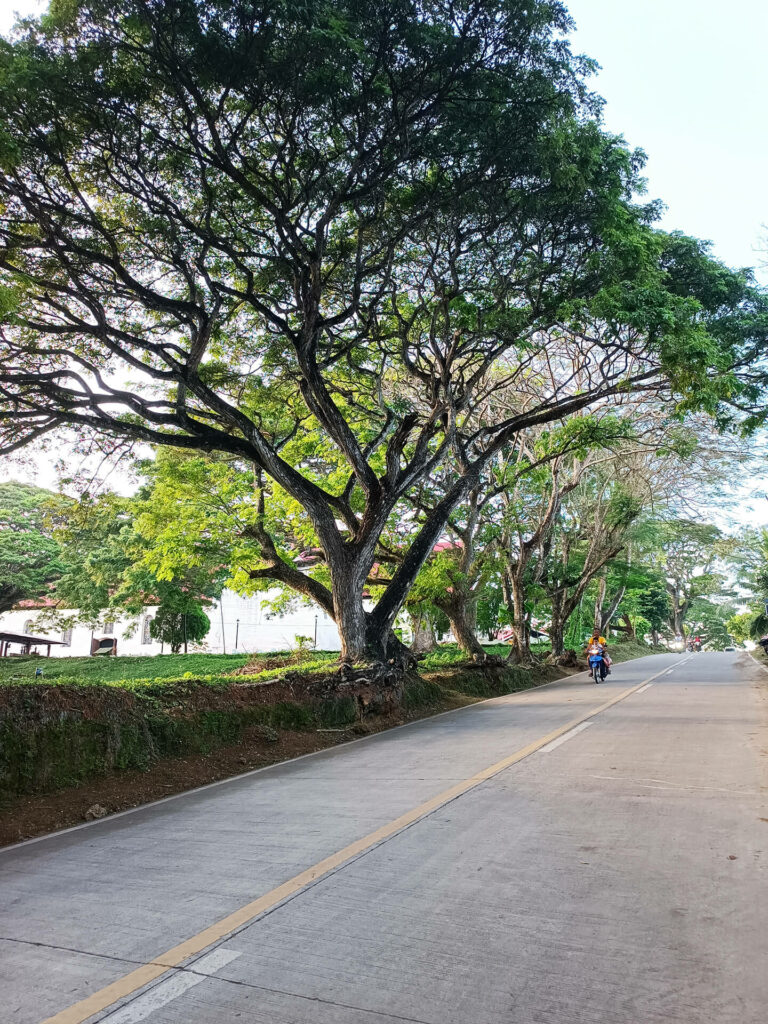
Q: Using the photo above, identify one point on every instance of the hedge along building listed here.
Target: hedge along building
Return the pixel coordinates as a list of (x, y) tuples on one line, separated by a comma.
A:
[(238, 623)]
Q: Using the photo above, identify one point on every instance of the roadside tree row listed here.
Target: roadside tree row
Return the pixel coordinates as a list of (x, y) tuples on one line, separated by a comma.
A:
[(379, 259)]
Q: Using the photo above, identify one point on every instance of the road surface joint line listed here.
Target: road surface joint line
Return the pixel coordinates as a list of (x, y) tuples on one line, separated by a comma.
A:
[(389, 1014), (565, 737), (171, 959), (293, 760), (72, 949), (667, 786)]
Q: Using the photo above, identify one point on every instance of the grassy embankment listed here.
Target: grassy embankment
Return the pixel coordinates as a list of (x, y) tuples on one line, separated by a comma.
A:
[(88, 717)]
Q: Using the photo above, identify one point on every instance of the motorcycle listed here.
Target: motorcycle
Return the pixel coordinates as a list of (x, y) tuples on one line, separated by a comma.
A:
[(597, 665)]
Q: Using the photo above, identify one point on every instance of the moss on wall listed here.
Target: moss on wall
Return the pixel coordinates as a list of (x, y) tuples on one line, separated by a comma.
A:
[(43, 748)]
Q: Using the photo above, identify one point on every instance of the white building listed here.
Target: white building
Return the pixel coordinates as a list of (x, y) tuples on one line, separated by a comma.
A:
[(238, 624)]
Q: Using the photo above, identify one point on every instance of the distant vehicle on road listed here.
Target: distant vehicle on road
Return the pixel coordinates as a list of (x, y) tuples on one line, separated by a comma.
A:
[(730, 648)]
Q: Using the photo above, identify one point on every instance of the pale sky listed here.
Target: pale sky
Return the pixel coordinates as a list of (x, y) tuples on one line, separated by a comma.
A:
[(687, 81)]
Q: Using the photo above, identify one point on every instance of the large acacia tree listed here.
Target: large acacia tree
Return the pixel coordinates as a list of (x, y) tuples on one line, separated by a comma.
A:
[(365, 204)]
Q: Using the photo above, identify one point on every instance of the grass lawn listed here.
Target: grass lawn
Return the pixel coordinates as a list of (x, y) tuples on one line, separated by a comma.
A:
[(212, 667), (107, 670), (451, 654), (92, 671)]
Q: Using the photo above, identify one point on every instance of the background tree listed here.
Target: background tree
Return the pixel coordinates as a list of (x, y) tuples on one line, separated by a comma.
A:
[(690, 551), (533, 505), (739, 626), (107, 565), (648, 599), (179, 621), (749, 564), (29, 556), (590, 531), (709, 620)]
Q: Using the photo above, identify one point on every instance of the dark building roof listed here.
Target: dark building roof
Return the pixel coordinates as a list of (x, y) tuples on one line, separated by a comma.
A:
[(25, 638)]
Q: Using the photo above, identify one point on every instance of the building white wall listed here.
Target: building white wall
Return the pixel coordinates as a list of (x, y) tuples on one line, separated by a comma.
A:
[(238, 624), (23, 620), (245, 624)]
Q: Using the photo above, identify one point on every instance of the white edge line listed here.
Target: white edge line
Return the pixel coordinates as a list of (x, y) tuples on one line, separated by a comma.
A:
[(301, 757), (566, 736), (213, 961), (141, 1006), (644, 688)]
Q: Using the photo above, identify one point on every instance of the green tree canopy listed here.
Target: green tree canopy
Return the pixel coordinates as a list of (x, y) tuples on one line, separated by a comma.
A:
[(29, 556), (690, 552), (108, 564), (179, 621), (739, 626)]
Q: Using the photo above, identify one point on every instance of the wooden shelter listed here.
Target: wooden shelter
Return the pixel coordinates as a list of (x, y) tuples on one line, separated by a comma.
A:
[(27, 642)]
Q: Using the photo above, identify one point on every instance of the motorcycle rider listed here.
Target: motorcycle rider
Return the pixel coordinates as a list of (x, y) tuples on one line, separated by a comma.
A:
[(602, 643)]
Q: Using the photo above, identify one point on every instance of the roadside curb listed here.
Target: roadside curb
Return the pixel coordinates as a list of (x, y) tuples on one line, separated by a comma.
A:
[(759, 664)]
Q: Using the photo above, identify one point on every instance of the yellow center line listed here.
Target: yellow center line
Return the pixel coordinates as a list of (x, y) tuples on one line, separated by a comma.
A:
[(172, 958)]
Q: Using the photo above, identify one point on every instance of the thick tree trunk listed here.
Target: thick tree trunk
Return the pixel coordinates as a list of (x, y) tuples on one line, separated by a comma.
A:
[(677, 623), (424, 639), (629, 629), (557, 629), (556, 635), (521, 639), (679, 609), (363, 642), (352, 623), (461, 615)]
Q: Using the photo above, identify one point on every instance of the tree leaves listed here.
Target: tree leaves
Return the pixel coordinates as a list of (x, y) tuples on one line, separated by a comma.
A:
[(29, 555)]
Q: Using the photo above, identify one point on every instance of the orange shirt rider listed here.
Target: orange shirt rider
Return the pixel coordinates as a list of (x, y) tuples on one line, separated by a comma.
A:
[(602, 642)]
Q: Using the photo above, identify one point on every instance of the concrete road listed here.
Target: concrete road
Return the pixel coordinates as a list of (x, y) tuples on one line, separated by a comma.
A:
[(576, 853)]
